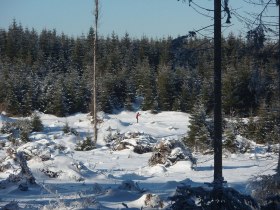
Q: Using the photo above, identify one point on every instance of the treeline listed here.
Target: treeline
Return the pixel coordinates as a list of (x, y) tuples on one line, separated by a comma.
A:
[(53, 73)]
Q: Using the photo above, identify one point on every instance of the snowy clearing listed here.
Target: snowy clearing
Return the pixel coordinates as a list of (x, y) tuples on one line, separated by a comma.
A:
[(107, 179)]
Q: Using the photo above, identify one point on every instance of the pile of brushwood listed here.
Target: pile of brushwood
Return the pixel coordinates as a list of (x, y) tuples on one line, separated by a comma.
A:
[(207, 198), (265, 196)]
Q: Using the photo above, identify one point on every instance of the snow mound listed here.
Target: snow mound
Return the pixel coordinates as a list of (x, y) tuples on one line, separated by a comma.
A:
[(157, 169), (147, 201), (130, 186), (44, 149)]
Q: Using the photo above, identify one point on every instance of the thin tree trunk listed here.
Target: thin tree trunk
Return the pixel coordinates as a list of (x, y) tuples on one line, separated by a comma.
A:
[(96, 14), (278, 168), (218, 175)]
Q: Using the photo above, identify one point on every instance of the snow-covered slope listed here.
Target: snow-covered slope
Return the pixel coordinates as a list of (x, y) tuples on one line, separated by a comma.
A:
[(106, 179)]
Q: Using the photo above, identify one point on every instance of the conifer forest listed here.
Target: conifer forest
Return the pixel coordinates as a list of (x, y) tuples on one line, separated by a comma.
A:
[(51, 73)]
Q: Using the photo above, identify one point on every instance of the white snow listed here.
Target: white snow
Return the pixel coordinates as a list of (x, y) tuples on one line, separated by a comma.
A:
[(94, 179)]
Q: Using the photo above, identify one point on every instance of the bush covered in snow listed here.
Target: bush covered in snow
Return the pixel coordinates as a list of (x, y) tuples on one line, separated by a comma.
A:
[(235, 143), (41, 149), (23, 177), (265, 189), (8, 127), (4, 166), (19, 129), (81, 202), (140, 149), (168, 152), (6, 162), (238, 134), (49, 173), (262, 129), (200, 198), (139, 142), (113, 138), (85, 145), (67, 129)]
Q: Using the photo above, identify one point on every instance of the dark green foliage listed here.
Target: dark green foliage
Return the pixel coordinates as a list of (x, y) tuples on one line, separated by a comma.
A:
[(66, 128), (168, 73), (24, 136), (146, 84), (12, 139), (128, 104), (55, 99), (199, 198), (265, 189), (85, 145), (199, 136), (25, 129), (250, 129), (36, 123), (155, 108), (165, 88), (230, 140), (266, 127), (262, 129), (231, 143), (176, 105), (272, 203), (114, 138), (7, 127), (74, 131), (19, 129)]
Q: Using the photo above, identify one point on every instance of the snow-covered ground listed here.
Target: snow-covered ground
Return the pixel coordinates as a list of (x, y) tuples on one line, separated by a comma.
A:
[(106, 179)]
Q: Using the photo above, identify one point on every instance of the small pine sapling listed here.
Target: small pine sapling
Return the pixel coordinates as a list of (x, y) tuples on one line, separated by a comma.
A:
[(66, 128), (36, 123)]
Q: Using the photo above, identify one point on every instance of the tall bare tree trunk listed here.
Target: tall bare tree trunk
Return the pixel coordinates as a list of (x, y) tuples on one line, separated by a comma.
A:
[(278, 4), (96, 15), (218, 174)]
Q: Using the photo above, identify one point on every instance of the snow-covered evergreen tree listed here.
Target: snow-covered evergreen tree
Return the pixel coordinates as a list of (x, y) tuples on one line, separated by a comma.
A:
[(198, 137)]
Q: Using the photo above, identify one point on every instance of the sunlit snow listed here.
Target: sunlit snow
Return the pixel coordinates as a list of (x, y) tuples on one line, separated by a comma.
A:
[(106, 179)]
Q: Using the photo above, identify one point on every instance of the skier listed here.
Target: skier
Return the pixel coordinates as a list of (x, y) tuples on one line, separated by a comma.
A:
[(137, 115)]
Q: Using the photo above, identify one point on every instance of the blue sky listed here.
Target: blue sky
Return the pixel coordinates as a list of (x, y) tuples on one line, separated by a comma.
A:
[(152, 18)]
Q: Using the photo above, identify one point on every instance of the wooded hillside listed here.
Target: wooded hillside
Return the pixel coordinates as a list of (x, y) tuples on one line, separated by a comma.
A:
[(52, 73)]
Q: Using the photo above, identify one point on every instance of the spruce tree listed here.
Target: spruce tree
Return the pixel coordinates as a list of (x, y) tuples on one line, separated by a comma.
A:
[(36, 123), (198, 137), (165, 88), (145, 84)]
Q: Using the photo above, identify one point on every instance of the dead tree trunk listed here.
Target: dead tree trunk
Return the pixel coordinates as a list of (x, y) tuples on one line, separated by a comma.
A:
[(25, 171), (96, 15), (24, 177), (218, 175)]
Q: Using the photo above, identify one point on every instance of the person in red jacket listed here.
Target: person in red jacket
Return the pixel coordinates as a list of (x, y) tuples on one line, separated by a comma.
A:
[(137, 116)]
